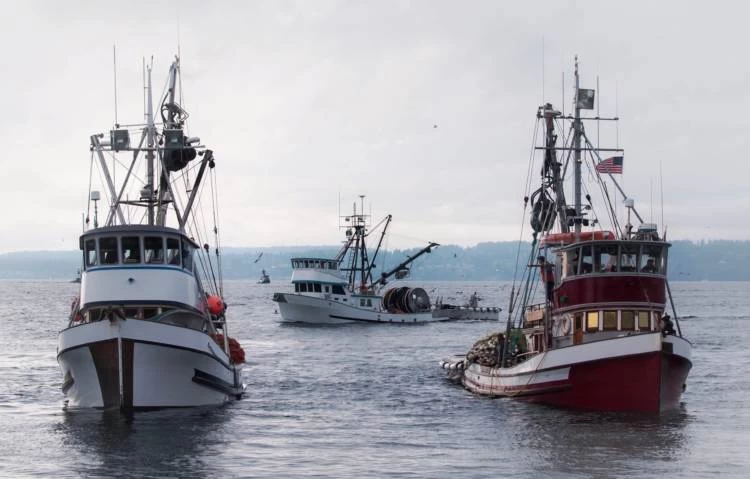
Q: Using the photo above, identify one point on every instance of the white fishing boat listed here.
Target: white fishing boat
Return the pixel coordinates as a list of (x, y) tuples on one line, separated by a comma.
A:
[(264, 278), (148, 329), (598, 336), (343, 290)]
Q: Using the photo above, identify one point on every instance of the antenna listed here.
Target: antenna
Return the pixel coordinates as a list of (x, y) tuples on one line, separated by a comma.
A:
[(651, 193), (114, 69), (598, 101), (543, 97), (661, 202), (617, 115), (563, 94)]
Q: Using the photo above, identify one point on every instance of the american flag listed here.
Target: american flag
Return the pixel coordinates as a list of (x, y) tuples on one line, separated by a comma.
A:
[(610, 165)]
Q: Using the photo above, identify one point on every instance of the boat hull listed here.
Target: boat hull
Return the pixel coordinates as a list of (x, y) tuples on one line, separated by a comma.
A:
[(296, 308), (638, 373), (136, 364)]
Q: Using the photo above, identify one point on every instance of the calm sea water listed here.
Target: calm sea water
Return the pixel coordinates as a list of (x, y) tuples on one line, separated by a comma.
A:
[(370, 401)]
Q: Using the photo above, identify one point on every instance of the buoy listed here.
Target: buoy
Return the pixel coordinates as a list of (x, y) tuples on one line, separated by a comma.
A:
[(215, 305)]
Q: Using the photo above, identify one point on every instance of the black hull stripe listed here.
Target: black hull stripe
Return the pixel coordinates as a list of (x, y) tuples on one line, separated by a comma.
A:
[(373, 320), (183, 348), (155, 343), (213, 382)]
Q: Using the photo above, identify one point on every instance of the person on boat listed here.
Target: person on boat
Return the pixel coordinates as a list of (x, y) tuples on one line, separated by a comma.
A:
[(649, 267), (667, 327), (474, 300), (547, 274)]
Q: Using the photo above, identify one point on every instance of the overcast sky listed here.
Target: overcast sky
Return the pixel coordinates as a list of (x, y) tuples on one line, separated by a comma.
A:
[(307, 101)]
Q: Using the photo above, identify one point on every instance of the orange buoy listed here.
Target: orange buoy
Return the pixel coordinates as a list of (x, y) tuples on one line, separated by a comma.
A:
[(215, 305)]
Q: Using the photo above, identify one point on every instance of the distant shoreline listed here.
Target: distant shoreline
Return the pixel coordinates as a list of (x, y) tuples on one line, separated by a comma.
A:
[(716, 260)]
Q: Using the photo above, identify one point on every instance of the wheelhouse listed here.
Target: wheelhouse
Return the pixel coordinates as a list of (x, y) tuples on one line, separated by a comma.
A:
[(140, 272), (608, 257), (137, 245), (315, 263)]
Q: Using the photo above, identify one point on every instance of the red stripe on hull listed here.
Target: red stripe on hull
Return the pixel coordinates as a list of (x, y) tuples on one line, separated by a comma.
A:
[(645, 383)]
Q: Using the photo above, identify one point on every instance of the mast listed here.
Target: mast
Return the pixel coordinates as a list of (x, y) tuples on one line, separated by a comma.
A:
[(151, 136), (171, 122), (363, 255), (577, 155)]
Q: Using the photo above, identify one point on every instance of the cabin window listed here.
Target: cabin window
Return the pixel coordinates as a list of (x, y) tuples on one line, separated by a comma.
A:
[(91, 258), (131, 249), (627, 320), (652, 259), (592, 321), (609, 321), (605, 258), (296, 287), (571, 262), (628, 258), (362, 301), (316, 287), (153, 249), (173, 251), (303, 287), (369, 302), (644, 323), (337, 289), (108, 250), (187, 255), (586, 260), (327, 289)]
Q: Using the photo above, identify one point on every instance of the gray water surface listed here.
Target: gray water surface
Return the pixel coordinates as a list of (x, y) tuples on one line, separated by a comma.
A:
[(370, 401)]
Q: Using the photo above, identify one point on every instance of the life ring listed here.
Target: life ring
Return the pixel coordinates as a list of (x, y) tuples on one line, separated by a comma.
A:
[(566, 325)]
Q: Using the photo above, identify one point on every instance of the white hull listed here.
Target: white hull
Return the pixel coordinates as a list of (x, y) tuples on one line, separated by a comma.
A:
[(297, 308), (143, 364)]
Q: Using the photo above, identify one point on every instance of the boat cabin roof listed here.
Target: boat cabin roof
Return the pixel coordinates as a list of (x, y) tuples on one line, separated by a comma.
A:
[(134, 230), (624, 242)]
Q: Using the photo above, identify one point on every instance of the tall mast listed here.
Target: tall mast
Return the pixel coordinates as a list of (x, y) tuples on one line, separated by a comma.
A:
[(171, 121), (151, 136), (363, 255), (577, 150)]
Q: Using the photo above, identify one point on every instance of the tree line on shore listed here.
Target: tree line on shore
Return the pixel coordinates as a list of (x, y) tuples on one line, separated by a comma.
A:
[(716, 260)]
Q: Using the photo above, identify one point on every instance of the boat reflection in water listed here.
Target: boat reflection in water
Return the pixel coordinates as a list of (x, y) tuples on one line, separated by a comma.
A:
[(149, 444)]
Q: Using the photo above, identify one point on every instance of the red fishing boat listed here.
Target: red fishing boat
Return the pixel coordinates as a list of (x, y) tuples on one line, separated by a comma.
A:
[(588, 326)]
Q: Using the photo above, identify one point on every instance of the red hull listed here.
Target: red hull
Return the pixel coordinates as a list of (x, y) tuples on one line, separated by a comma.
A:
[(651, 382)]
